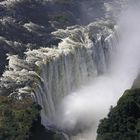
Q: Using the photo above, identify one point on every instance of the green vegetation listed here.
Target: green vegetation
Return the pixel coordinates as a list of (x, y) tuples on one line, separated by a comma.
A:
[(123, 121), (16, 118)]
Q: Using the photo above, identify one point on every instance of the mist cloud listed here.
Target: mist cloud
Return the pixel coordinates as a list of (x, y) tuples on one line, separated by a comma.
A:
[(84, 107)]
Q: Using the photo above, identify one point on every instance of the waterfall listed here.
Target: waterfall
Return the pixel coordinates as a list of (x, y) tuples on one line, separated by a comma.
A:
[(50, 74), (80, 111), (76, 61), (76, 81)]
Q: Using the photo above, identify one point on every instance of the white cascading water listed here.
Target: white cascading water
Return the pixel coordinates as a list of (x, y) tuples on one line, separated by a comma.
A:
[(77, 60), (80, 111), (50, 74)]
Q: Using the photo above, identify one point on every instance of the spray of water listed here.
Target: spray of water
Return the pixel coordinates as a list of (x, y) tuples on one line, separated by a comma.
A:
[(80, 111)]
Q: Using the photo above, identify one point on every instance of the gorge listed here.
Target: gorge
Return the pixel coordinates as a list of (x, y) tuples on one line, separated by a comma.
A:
[(76, 81)]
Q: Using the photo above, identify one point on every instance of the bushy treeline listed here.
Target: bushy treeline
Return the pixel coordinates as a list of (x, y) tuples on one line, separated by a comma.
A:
[(16, 118), (123, 121), (20, 120)]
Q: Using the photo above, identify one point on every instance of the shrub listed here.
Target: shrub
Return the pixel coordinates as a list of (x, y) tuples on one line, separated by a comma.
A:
[(123, 121), (16, 118)]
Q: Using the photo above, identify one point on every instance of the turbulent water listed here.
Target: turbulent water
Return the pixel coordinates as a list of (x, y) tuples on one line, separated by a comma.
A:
[(76, 64), (49, 74)]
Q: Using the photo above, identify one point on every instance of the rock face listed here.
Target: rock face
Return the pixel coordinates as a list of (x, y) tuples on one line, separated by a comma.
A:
[(123, 121), (39, 132)]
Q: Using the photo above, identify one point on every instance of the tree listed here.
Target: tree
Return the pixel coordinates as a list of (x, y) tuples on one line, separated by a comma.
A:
[(16, 118), (123, 121)]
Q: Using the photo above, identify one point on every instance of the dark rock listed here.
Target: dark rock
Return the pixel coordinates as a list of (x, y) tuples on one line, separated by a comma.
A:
[(39, 132)]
